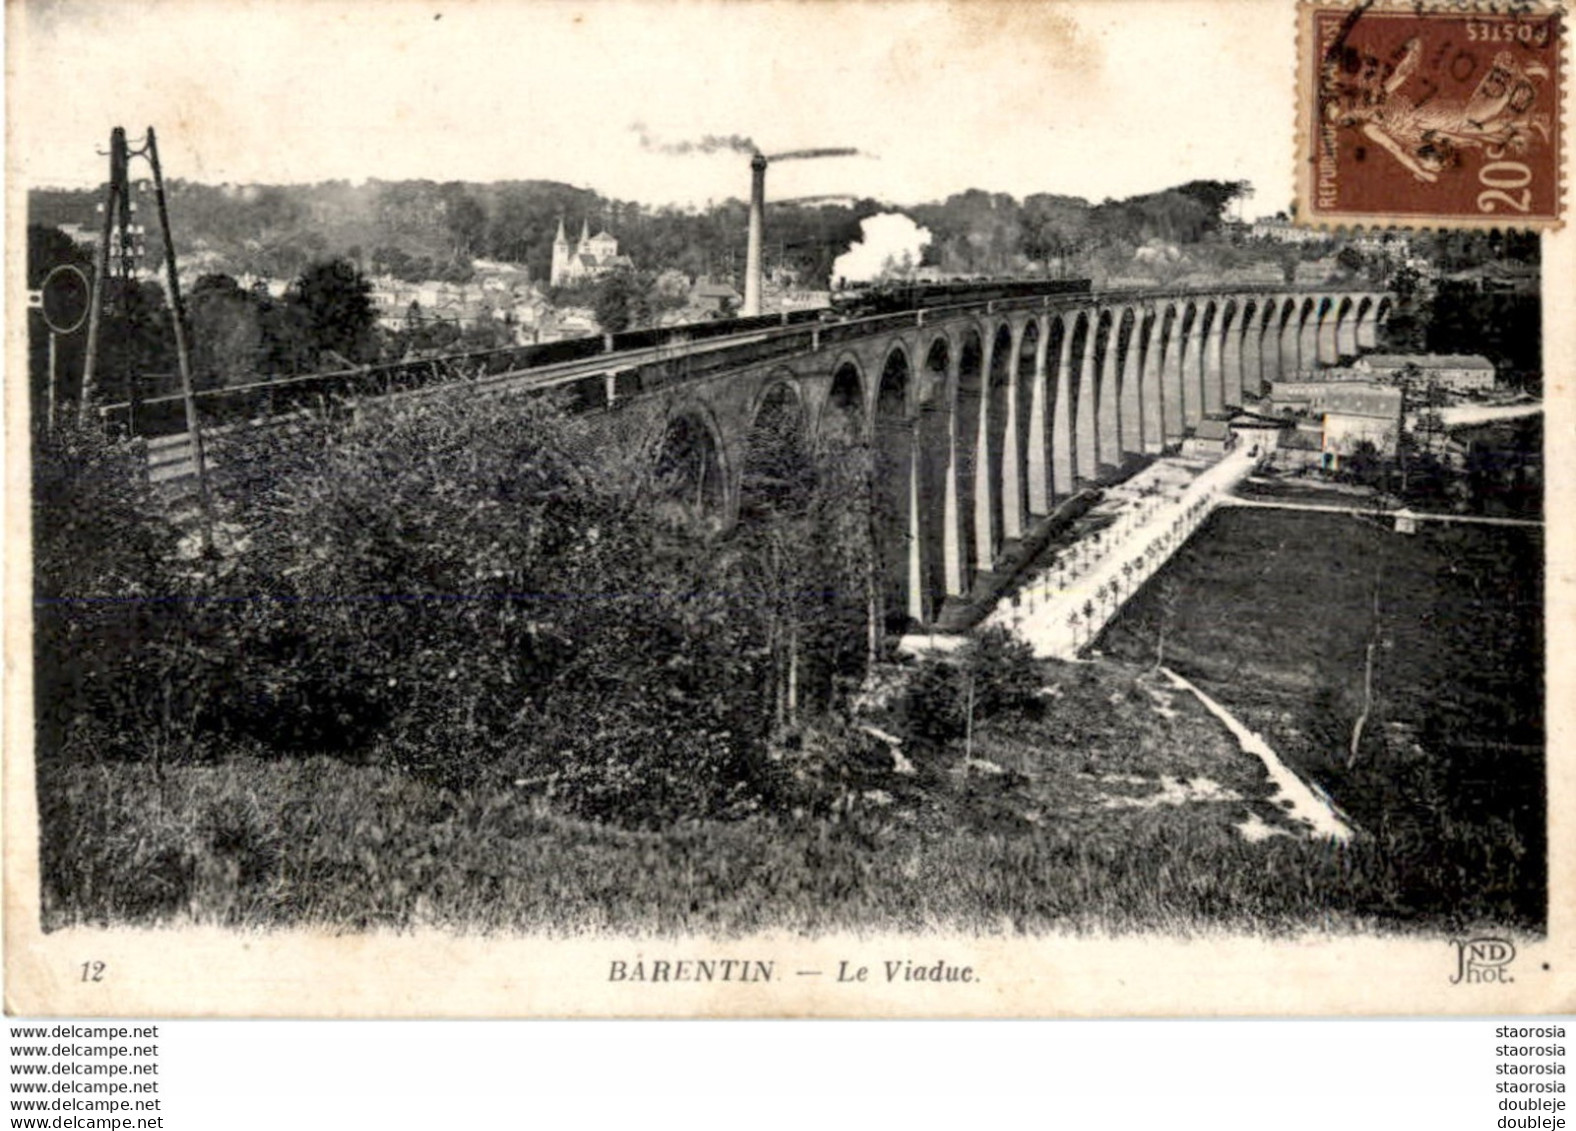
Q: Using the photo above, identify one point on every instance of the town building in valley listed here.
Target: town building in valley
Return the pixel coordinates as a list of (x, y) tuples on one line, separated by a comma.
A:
[(1457, 372), (1356, 414), (588, 259), (1212, 438), (1314, 397)]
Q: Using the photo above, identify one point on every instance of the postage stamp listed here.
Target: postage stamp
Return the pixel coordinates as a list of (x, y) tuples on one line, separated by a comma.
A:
[(1430, 118)]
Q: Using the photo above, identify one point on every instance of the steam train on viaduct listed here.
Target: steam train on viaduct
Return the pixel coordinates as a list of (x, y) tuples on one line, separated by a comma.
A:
[(864, 300), (165, 415)]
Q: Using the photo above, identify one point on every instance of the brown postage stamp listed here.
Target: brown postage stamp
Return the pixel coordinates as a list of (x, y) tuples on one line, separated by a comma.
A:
[(1430, 118)]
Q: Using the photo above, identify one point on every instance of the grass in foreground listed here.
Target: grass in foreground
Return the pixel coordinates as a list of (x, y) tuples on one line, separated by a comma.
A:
[(1040, 846)]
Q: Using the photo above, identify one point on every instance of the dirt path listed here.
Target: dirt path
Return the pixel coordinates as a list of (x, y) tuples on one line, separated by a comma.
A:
[(1307, 807), (1381, 515), (1457, 416)]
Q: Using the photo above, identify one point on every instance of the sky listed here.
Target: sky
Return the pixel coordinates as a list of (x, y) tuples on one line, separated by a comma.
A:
[(1099, 99)]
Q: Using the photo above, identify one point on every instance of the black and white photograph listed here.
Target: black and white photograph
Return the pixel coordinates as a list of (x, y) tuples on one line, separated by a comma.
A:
[(786, 509)]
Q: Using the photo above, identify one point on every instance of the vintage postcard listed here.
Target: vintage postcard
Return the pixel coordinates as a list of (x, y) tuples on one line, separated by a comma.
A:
[(775, 509)]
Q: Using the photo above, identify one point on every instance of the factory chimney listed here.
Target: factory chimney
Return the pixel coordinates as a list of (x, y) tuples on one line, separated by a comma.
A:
[(752, 255)]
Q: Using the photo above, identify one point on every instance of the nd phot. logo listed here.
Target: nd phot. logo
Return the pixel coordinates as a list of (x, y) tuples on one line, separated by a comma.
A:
[(1481, 960)]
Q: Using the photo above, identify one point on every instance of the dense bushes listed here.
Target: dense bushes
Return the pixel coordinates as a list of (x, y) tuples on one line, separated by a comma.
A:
[(1459, 824), (482, 605), (467, 592), (105, 600), (993, 673)]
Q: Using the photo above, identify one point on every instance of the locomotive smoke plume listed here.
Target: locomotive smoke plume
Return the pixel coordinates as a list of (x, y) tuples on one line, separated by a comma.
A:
[(889, 244)]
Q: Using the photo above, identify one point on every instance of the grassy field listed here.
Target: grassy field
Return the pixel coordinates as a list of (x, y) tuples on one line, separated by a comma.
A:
[(1307, 490), (1272, 614), (1114, 809)]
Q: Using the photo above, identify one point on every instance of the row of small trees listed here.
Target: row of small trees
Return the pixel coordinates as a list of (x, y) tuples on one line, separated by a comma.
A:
[(1110, 594)]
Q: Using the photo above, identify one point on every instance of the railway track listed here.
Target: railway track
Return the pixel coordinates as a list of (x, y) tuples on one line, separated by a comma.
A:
[(597, 372)]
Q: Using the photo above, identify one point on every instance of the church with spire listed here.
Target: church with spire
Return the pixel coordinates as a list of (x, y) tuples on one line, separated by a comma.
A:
[(590, 258)]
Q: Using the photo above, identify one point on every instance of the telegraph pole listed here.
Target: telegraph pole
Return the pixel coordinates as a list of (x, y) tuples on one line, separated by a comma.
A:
[(182, 352), (117, 215), (115, 194)]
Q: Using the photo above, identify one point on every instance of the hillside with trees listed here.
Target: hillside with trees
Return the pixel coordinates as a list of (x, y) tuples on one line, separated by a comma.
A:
[(277, 276), (421, 230)]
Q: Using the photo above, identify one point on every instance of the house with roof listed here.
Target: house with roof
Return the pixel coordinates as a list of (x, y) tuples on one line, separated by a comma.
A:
[(1458, 372), (1260, 432), (714, 298), (1347, 414), (1313, 397), (589, 258), (1211, 439), (1328, 373), (1358, 414), (84, 236), (1300, 446), (1280, 229)]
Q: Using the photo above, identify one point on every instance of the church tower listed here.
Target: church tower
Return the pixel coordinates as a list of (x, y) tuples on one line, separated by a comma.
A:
[(560, 272)]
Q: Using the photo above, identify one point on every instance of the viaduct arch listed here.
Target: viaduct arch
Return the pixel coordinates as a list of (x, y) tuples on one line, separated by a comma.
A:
[(969, 424)]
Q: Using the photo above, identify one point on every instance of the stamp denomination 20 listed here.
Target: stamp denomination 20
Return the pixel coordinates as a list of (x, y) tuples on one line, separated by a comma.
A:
[(1430, 118)]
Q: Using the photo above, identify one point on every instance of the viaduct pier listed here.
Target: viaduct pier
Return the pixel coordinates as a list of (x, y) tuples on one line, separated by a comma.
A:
[(975, 420)]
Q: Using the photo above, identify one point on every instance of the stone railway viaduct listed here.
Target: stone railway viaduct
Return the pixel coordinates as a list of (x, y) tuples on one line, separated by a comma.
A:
[(983, 418), (979, 419)]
